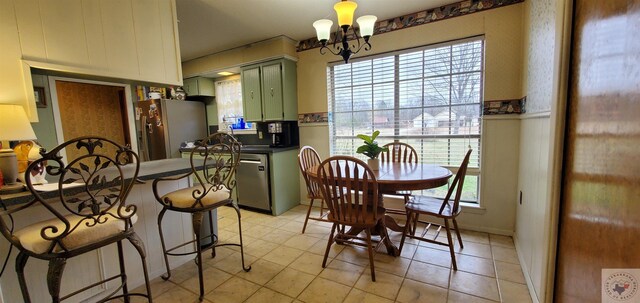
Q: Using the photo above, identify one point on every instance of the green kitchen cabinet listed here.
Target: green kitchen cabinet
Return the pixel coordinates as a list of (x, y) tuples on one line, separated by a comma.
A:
[(199, 86), (269, 91), (251, 94), (285, 181)]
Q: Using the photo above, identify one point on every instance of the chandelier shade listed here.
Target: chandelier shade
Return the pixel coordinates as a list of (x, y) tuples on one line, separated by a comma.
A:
[(366, 24), (345, 10), (323, 29)]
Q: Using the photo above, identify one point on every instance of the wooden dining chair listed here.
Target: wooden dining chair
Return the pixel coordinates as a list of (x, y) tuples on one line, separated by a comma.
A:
[(213, 164), (445, 209), (308, 157), (87, 212), (401, 153), (350, 189)]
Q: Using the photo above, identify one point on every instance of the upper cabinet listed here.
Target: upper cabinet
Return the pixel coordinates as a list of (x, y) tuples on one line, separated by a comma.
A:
[(199, 86), (251, 94), (127, 39), (269, 91)]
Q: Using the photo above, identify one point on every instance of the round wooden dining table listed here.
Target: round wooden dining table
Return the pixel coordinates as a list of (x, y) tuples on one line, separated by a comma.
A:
[(393, 177)]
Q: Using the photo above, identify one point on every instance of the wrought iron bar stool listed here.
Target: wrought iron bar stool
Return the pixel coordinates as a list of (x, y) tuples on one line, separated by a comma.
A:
[(93, 189), (214, 167)]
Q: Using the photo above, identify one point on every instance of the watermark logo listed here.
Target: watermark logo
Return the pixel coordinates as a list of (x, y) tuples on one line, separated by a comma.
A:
[(620, 285)]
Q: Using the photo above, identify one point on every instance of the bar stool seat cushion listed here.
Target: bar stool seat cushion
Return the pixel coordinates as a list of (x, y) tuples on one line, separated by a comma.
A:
[(30, 237), (183, 198)]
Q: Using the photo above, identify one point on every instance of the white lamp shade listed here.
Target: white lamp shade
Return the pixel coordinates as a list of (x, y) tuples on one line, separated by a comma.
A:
[(345, 10), (323, 28), (14, 124), (366, 24)]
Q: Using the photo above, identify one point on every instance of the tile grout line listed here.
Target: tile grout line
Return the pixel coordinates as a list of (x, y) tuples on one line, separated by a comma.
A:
[(349, 260), (495, 268)]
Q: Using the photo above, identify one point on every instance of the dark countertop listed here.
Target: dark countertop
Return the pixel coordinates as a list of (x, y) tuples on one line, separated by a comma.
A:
[(148, 171), (258, 149)]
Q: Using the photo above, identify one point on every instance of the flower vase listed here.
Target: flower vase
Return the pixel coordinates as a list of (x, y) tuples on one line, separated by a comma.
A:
[(374, 164)]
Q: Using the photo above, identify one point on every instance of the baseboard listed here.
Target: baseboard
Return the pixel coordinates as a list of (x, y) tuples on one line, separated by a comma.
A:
[(497, 231), (525, 272)]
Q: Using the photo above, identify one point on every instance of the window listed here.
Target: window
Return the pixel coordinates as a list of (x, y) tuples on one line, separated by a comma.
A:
[(428, 97), (229, 103)]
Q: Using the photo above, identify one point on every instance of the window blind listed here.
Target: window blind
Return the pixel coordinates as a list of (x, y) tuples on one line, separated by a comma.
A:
[(428, 97)]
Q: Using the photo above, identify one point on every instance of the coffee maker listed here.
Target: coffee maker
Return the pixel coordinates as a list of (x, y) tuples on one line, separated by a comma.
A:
[(279, 134)]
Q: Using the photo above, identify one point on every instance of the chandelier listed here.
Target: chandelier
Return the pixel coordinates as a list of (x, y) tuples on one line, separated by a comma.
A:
[(345, 10)]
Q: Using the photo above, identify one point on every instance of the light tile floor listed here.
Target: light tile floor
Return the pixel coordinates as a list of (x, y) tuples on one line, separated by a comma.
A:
[(287, 267)]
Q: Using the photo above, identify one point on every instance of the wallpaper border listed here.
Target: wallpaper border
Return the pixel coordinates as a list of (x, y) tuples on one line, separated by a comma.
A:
[(419, 18)]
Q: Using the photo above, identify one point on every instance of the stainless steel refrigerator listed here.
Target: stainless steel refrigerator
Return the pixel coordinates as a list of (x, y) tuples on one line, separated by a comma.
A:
[(165, 124)]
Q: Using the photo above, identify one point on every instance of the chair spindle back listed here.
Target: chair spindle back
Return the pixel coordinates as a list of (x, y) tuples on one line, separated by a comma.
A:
[(399, 152), (307, 158), (457, 184), (350, 189)]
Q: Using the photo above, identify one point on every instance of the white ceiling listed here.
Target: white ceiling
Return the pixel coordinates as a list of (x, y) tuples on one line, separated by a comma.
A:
[(210, 26)]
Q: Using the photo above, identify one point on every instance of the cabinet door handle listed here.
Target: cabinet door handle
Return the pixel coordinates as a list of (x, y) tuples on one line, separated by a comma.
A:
[(251, 94), (272, 92)]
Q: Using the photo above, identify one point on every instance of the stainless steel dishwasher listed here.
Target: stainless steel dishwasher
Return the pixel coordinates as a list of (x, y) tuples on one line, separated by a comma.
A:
[(252, 181)]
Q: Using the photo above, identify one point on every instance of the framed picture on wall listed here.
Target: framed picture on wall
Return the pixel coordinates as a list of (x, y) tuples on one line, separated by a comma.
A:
[(41, 99)]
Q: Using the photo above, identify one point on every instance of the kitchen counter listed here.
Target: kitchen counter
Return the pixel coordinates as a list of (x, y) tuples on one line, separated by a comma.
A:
[(148, 171), (259, 149)]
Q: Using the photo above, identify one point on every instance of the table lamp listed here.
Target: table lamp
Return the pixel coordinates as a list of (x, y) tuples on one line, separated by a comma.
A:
[(14, 125)]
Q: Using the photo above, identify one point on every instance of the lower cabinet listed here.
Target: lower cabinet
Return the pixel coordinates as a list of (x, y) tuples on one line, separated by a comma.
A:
[(268, 181), (285, 182)]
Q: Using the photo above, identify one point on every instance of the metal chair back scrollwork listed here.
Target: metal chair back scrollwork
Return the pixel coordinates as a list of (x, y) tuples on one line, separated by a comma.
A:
[(213, 166), (92, 212)]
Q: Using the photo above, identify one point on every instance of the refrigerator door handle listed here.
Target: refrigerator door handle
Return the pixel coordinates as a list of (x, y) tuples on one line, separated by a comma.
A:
[(145, 139)]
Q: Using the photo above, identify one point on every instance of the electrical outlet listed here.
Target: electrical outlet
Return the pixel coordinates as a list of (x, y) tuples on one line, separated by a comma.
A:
[(260, 137)]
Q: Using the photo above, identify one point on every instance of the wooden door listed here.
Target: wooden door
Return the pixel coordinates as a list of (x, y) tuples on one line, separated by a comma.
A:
[(251, 96), (600, 203), (92, 110), (272, 91)]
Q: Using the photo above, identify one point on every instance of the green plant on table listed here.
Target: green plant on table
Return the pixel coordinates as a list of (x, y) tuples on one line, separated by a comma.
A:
[(370, 147)]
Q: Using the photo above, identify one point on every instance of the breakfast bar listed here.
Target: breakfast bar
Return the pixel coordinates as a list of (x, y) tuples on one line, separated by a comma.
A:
[(102, 263)]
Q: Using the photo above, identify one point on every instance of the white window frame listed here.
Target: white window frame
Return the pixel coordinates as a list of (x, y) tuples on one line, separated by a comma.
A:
[(452, 162)]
